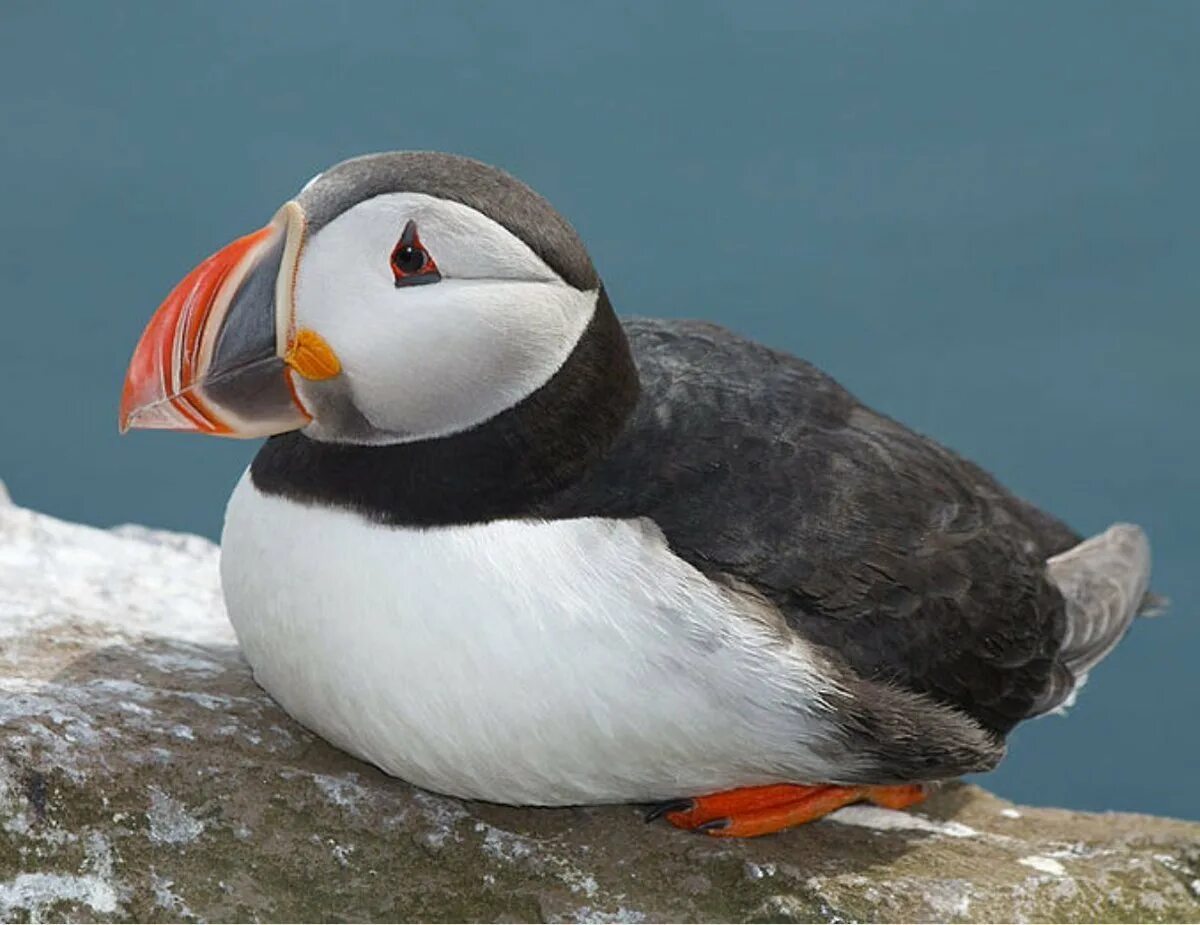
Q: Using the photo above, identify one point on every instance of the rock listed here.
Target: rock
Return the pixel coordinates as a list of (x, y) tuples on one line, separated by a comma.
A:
[(144, 776)]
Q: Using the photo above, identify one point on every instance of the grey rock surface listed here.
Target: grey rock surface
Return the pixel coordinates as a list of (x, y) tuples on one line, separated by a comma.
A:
[(144, 776)]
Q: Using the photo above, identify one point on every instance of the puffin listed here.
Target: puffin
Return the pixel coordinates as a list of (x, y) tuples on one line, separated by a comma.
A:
[(507, 546)]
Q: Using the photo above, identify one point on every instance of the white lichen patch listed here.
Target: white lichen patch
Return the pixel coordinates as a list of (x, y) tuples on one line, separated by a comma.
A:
[(181, 660), (344, 792), (1175, 865), (166, 898), (207, 701), (12, 805), (63, 578), (509, 848), (341, 853), (504, 846), (441, 815), (1077, 850), (1044, 864), (891, 820), (128, 706), (949, 899), (1152, 900), (46, 716), (77, 723), (577, 881), (36, 894), (786, 908), (620, 914), (170, 822)]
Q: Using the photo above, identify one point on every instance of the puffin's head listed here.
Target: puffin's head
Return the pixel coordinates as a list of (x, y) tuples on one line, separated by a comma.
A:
[(398, 297)]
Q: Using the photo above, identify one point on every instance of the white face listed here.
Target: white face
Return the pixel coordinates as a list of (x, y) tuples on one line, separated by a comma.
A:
[(421, 361)]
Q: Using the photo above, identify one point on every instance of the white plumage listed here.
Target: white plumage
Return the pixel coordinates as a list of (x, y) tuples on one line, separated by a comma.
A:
[(574, 661)]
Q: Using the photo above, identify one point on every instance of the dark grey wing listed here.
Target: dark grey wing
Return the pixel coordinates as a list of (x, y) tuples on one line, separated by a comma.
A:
[(910, 562)]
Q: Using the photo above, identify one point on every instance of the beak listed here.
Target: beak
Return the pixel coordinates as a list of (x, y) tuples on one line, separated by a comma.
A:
[(218, 355)]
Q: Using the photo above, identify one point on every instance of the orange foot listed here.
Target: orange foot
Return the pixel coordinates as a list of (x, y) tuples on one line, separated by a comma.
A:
[(754, 811)]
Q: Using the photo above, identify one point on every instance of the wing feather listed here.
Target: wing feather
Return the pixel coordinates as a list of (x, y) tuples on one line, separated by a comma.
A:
[(911, 563)]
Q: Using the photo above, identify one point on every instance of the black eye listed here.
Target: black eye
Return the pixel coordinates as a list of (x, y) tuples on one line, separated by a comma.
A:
[(408, 259), (411, 263)]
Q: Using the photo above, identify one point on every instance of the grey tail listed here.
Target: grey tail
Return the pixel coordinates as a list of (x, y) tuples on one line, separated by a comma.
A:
[(1105, 583)]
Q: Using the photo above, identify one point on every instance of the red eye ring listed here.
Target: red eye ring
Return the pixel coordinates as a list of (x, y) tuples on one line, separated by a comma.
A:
[(412, 264)]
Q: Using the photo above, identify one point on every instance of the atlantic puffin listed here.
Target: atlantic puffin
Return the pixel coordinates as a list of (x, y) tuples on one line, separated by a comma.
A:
[(508, 547)]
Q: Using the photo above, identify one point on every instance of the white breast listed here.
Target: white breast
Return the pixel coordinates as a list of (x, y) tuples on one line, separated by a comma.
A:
[(520, 662)]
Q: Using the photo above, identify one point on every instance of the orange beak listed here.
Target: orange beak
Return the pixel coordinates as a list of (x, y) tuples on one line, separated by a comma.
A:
[(218, 355)]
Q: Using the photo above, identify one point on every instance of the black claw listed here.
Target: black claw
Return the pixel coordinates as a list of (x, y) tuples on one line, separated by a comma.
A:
[(713, 825), (671, 806)]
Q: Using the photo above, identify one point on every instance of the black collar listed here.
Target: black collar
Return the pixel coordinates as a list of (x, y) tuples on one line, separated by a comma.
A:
[(501, 468)]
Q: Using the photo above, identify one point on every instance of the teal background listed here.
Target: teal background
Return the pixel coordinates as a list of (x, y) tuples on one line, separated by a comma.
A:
[(981, 217)]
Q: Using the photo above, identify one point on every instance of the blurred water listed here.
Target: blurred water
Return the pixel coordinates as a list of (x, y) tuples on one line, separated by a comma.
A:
[(981, 217)]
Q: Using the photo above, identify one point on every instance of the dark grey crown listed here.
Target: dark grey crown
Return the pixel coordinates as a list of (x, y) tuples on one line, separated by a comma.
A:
[(496, 194)]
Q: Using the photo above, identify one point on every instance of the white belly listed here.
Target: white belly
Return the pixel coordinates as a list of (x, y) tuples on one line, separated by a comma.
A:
[(520, 662)]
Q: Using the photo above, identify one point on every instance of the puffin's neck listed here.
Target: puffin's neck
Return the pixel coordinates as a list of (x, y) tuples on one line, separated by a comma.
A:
[(499, 469)]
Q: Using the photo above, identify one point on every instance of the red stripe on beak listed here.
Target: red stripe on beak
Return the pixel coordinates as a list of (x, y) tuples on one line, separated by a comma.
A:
[(161, 385)]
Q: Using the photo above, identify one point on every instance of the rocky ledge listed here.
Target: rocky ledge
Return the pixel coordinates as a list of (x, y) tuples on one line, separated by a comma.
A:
[(144, 776)]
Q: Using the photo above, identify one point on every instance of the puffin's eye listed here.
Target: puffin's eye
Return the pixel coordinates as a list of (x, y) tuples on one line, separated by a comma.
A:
[(411, 263)]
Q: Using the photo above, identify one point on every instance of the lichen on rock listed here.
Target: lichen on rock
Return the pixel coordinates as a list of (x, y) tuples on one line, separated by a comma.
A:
[(144, 776)]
